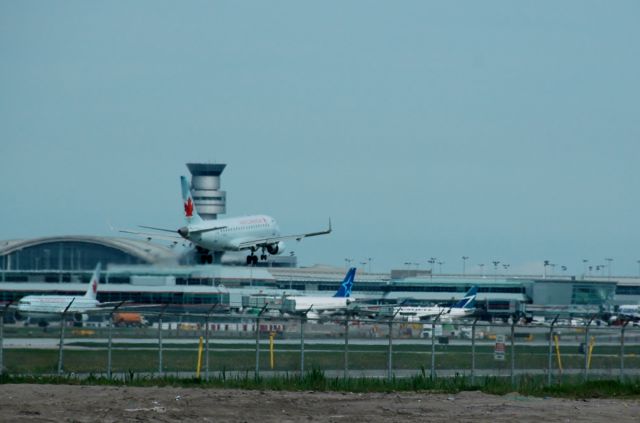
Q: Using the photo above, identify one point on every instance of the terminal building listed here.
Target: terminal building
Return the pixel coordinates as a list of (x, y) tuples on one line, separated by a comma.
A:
[(145, 272)]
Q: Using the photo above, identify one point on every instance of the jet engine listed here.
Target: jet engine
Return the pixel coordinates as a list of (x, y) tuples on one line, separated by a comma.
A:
[(276, 248)]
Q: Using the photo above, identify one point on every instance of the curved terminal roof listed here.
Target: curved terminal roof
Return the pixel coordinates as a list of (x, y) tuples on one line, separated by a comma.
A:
[(141, 249)]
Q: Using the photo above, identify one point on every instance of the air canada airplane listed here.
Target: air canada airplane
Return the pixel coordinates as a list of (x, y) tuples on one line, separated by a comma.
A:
[(50, 307), (248, 233), (463, 308), (316, 305)]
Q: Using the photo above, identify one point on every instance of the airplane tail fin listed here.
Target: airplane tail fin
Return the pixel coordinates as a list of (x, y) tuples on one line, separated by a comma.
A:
[(345, 287), (469, 300), (93, 284), (190, 213)]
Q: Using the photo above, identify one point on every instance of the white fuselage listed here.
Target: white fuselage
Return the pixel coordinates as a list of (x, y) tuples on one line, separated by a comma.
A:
[(236, 231), (320, 304), (631, 311), (46, 305), (426, 312)]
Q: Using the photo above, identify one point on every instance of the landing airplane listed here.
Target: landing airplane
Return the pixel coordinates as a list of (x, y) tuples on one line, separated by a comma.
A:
[(50, 307), (316, 305), (463, 308), (250, 233)]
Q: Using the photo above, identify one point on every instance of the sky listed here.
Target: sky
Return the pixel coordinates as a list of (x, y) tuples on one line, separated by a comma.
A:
[(497, 130)]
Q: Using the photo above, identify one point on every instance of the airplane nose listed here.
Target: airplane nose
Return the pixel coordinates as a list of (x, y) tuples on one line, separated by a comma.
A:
[(184, 231)]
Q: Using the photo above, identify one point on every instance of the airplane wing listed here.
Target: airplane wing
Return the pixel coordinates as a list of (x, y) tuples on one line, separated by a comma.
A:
[(149, 236), (263, 242)]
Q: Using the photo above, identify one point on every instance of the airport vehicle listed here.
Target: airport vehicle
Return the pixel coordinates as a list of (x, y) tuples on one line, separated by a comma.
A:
[(50, 307), (250, 233), (463, 308), (129, 319), (313, 306)]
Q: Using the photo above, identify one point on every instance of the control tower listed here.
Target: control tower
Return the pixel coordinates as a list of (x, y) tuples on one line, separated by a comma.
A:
[(205, 189)]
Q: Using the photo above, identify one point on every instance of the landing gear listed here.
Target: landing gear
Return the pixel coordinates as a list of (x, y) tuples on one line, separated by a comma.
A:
[(252, 260), (206, 259)]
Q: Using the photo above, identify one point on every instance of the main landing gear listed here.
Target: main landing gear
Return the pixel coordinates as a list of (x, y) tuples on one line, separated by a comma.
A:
[(252, 259), (204, 256)]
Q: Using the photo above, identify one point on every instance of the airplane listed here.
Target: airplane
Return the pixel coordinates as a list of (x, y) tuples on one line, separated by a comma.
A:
[(313, 306), (463, 308), (51, 307), (248, 233), (631, 312)]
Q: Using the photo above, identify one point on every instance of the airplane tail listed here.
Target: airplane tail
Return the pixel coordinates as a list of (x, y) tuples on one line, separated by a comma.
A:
[(345, 287), (190, 213), (93, 284), (469, 300)]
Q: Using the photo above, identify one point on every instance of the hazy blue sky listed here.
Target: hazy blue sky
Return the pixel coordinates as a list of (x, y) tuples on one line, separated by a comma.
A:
[(496, 129)]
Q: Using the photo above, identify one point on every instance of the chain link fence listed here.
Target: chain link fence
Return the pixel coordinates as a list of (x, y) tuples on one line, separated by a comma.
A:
[(124, 343)]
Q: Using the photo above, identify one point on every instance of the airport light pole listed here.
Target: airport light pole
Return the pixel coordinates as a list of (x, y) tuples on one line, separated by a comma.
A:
[(369, 260), (506, 267), (584, 266), (347, 263), (495, 269), (481, 269), (545, 265), (464, 265), (432, 261), (440, 263), (610, 260)]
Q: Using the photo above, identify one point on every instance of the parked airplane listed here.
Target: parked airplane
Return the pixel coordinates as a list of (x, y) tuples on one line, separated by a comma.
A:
[(51, 307), (463, 308), (250, 233), (316, 305), (631, 312)]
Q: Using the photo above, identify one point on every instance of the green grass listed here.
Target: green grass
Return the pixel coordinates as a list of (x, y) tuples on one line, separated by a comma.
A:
[(315, 380), (181, 358)]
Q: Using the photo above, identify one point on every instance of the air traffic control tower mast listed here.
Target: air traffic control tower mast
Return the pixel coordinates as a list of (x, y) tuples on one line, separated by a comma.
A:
[(205, 189)]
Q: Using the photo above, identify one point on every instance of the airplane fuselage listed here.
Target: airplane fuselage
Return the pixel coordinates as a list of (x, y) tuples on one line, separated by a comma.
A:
[(320, 304), (427, 312), (46, 305), (233, 232)]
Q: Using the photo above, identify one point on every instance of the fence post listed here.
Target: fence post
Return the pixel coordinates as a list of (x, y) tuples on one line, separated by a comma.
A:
[(257, 371), (346, 345), (390, 351), (109, 346), (586, 348), (622, 350), (4, 312), (433, 345), (303, 320), (550, 356), (60, 348), (2, 341), (206, 340), (473, 351), (513, 352), (160, 339)]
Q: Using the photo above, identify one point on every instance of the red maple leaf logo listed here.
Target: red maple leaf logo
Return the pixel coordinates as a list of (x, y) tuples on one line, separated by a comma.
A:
[(188, 208), (94, 286)]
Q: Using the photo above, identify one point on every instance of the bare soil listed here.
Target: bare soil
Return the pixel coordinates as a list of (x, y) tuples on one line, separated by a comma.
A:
[(62, 403)]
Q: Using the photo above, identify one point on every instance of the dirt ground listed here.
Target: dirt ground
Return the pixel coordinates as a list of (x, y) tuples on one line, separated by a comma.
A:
[(60, 403)]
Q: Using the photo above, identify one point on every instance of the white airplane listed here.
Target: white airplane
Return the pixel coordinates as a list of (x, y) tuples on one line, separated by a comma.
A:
[(50, 307), (631, 312), (463, 308), (250, 233), (313, 306)]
